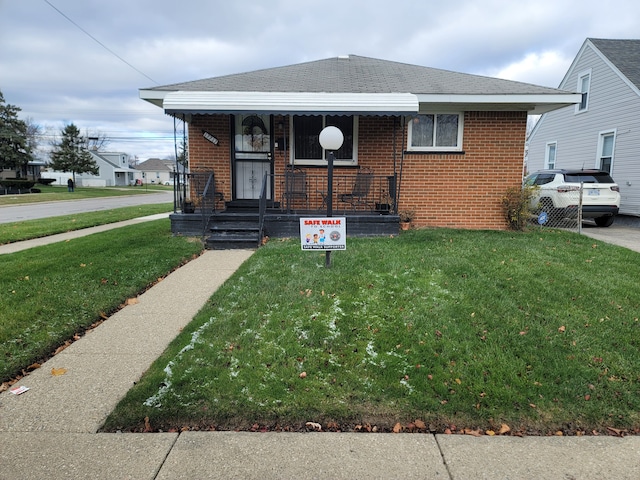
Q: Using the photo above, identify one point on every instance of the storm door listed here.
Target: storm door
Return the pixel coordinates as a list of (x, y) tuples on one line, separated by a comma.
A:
[(252, 156)]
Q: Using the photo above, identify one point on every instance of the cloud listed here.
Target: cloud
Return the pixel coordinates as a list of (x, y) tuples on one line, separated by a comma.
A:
[(83, 65)]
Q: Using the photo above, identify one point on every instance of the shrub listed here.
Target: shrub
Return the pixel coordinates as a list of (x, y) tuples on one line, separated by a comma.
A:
[(517, 206), (17, 183)]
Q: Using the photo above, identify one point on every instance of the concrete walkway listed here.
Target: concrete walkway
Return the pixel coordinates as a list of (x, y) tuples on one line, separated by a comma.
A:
[(49, 432)]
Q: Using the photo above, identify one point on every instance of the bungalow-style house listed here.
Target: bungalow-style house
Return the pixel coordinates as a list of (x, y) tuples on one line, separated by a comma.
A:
[(602, 130), (443, 145), (114, 171), (157, 171)]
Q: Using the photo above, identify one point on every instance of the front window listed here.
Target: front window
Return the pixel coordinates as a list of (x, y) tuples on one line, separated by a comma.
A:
[(306, 144), (550, 155), (435, 132)]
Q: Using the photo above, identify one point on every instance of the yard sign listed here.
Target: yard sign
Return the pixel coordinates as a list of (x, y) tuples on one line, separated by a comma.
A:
[(328, 233)]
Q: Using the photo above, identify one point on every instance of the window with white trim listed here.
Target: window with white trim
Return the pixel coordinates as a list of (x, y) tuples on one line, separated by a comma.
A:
[(306, 144), (584, 85), (550, 155), (606, 144), (435, 132)]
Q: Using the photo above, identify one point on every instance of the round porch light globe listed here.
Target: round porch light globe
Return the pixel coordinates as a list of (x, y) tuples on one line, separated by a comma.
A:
[(331, 138)]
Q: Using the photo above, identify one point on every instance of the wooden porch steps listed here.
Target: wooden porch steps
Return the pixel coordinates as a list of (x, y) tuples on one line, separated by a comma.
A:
[(233, 230)]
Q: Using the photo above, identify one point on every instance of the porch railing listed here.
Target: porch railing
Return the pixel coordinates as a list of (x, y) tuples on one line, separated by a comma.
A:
[(297, 191), (197, 188)]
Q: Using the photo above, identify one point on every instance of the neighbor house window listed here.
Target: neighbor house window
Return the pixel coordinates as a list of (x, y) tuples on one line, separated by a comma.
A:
[(550, 155), (584, 85), (605, 149), (306, 144), (435, 132)]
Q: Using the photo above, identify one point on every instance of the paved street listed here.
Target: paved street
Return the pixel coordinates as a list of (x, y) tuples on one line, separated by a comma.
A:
[(18, 213)]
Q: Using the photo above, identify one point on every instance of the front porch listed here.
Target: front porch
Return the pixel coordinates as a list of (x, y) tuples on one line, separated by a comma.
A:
[(366, 201)]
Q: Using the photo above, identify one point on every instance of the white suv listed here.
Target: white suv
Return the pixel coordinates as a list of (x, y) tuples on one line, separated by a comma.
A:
[(559, 195)]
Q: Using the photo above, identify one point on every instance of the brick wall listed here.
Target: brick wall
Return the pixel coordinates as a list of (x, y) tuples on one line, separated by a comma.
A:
[(205, 156), (461, 190)]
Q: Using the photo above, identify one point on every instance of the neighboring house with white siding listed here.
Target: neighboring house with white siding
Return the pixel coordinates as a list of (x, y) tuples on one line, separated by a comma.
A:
[(155, 170), (113, 167), (603, 131)]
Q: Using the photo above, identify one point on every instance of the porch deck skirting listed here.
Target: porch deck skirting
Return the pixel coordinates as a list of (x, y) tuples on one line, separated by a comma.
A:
[(284, 225)]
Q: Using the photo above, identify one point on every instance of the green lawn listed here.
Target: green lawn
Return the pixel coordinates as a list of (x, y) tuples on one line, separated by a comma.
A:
[(537, 330), (25, 230), (51, 193), (50, 293)]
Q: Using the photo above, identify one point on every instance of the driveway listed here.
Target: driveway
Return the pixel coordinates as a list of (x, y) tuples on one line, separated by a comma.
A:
[(19, 213), (625, 232)]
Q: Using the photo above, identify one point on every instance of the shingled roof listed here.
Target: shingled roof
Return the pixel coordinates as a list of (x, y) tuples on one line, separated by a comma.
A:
[(353, 85), (624, 54), (355, 74)]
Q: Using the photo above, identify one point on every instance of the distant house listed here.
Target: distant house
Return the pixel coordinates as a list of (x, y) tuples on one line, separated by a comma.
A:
[(445, 145), (114, 171), (603, 130), (155, 170)]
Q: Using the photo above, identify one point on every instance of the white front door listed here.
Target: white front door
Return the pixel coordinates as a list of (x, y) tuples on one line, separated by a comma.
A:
[(249, 175)]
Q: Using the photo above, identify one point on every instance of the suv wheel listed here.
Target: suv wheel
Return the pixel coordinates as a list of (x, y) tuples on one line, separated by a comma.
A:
[(604, 221)]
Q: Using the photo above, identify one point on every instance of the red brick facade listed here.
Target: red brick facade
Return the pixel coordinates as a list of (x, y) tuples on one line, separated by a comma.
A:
[(459, 189)]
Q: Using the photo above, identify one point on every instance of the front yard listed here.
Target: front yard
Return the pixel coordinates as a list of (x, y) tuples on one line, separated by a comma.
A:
[(432, 330)]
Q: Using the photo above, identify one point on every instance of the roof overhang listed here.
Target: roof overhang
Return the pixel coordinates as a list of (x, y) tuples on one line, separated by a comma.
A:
[(534, 104), (197, 102), (226, 102)]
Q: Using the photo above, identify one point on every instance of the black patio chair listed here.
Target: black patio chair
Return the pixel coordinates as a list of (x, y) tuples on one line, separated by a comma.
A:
[(295, 187), (360, 191)]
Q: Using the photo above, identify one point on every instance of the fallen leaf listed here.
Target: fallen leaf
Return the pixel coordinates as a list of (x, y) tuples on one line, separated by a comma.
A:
[(132, 301), (562, 329), (491, 433), (420, 425), (559, 433), (33, 366), (62, 347), (303, 375), (504, 428), (56, 372), (147, 425), (397, 428), (316, 426), (474, 433), (616, 432)]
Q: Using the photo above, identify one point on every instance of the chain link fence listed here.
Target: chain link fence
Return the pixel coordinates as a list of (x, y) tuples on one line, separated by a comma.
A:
[(566, 214)]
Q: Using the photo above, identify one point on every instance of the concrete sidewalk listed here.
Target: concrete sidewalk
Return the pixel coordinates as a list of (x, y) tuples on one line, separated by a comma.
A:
[(62, 237), (50, 431)]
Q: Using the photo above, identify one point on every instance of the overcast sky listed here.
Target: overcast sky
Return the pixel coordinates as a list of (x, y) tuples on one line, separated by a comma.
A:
[(83, 61)]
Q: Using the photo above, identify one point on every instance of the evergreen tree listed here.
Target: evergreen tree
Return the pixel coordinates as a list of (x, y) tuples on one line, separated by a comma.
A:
[(71, 154), (15, 152)]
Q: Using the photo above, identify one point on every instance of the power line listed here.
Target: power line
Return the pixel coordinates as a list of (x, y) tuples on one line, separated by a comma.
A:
[(99, 42)]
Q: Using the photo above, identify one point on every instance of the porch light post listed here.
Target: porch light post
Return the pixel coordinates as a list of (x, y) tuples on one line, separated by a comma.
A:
[(331, 139)]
